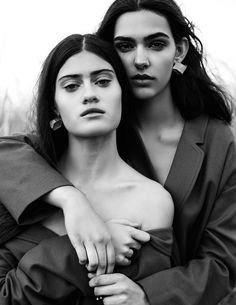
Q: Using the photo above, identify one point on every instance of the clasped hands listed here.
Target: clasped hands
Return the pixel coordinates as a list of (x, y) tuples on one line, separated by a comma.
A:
[(100, 246)]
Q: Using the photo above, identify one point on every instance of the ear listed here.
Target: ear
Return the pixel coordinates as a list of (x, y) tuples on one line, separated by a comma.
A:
[(181, 49)]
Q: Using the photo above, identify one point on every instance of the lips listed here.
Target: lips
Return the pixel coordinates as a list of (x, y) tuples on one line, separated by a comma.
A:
[(142, 77), (92, 110)]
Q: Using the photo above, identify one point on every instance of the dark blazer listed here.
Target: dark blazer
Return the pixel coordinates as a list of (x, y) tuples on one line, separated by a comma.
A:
[(202, 182), (38, 267)]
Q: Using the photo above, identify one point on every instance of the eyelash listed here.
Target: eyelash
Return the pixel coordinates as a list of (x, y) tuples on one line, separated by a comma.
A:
[(103, 82), (157, 45), (124, 47), (71, 87), (100, 82)]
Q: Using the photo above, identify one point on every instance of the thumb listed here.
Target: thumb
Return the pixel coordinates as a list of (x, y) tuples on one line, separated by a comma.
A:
[(140, 235)]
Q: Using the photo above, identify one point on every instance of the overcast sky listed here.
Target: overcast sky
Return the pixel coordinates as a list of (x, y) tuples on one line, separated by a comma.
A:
[(30, 28)]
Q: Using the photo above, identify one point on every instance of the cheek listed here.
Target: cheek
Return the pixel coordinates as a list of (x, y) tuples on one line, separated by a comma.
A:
[(169, 58), (67, 111), (164, 65)]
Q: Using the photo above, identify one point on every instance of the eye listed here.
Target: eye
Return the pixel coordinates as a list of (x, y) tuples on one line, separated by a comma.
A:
[(157, 45), (71, 87), (104, 82), (124, 46)]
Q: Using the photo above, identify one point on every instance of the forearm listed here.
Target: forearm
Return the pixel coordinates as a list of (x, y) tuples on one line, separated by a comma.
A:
[(30, 188), (65, 197), (25, 177)]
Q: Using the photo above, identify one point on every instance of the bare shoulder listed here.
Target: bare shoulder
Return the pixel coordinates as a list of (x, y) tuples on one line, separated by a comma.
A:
[(154, 202), (159, 206)]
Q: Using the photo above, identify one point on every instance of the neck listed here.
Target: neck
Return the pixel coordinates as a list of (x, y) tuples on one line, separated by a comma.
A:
[(90, 159), (159, 112)]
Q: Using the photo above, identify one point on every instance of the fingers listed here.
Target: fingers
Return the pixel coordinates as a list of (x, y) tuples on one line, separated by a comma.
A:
[(140, 235), (129, 253), (106, 279), (81, 253), (122, 260), (106, 258), (102, 259), (135, 245), (110, 258), (91, 275), (114, 300), (92, 263)]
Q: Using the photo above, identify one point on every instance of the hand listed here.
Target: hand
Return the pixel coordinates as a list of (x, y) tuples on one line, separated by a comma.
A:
[(126, 236), (118, 289), (88, 234)]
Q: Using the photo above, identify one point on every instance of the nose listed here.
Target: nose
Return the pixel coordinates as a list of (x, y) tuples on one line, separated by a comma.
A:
[(89, 95), (141, 60), (90, 99)]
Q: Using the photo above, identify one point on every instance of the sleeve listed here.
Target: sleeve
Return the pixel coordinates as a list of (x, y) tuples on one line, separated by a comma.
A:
[(211, 275), (25, 177), (42, 276)]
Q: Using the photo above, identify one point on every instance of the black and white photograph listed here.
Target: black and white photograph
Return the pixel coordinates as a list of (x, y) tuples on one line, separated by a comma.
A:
[(117, 152)]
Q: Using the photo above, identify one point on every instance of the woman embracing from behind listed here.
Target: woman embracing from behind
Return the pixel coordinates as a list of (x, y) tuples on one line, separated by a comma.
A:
[(183, 119), (180, 137)]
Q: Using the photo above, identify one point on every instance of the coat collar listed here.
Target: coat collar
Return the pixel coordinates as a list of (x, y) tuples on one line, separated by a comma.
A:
[(187, 161), (185, 166)]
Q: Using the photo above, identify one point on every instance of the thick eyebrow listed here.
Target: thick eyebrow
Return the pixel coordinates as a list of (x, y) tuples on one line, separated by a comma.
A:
[(156, 35), (94, 73), (149, 37), (79, 76)]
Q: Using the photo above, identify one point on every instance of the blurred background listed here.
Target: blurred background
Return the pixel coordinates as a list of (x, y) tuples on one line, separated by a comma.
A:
[(29, 29)]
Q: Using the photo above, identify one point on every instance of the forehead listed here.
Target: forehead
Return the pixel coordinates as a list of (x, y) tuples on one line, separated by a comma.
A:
[(141, 24), (85, 63)]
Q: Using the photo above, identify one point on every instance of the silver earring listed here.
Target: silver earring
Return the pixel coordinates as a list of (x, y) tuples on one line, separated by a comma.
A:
[(55, 123), (179, 67)]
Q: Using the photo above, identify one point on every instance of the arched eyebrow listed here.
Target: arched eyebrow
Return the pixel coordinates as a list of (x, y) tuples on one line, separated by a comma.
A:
[(156, 35), (123, 38), (95, 73), (79, 76), (146, 38)]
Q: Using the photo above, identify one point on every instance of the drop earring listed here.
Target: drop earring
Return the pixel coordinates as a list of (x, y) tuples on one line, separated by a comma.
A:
[(179, 68), (56, 123)]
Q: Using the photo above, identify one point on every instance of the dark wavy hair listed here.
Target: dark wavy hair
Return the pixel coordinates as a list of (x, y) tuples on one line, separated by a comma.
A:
[(52, 144), (194, 93)]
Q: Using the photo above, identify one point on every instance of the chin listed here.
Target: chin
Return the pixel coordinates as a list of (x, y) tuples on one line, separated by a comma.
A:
[(93, 132), (144, 93)]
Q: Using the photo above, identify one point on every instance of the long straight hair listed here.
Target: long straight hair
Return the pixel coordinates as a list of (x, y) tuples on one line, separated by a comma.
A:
[(194, 92), (52, 144)]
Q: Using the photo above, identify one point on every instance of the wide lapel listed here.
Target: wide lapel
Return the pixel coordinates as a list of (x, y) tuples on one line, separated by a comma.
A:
[(187, 161), (136, 155)]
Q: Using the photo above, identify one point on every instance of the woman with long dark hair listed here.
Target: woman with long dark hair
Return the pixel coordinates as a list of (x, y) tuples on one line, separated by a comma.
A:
[(80, 103), (181, 137)]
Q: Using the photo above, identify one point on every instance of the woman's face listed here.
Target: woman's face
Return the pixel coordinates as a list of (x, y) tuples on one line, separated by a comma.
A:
[(88, 95), (147, 48)]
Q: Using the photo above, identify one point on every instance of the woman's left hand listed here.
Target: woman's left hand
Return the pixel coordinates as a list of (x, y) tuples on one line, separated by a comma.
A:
[(118, 289)]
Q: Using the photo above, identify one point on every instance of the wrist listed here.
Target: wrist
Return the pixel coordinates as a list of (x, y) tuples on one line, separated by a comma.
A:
[(65, 197)]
